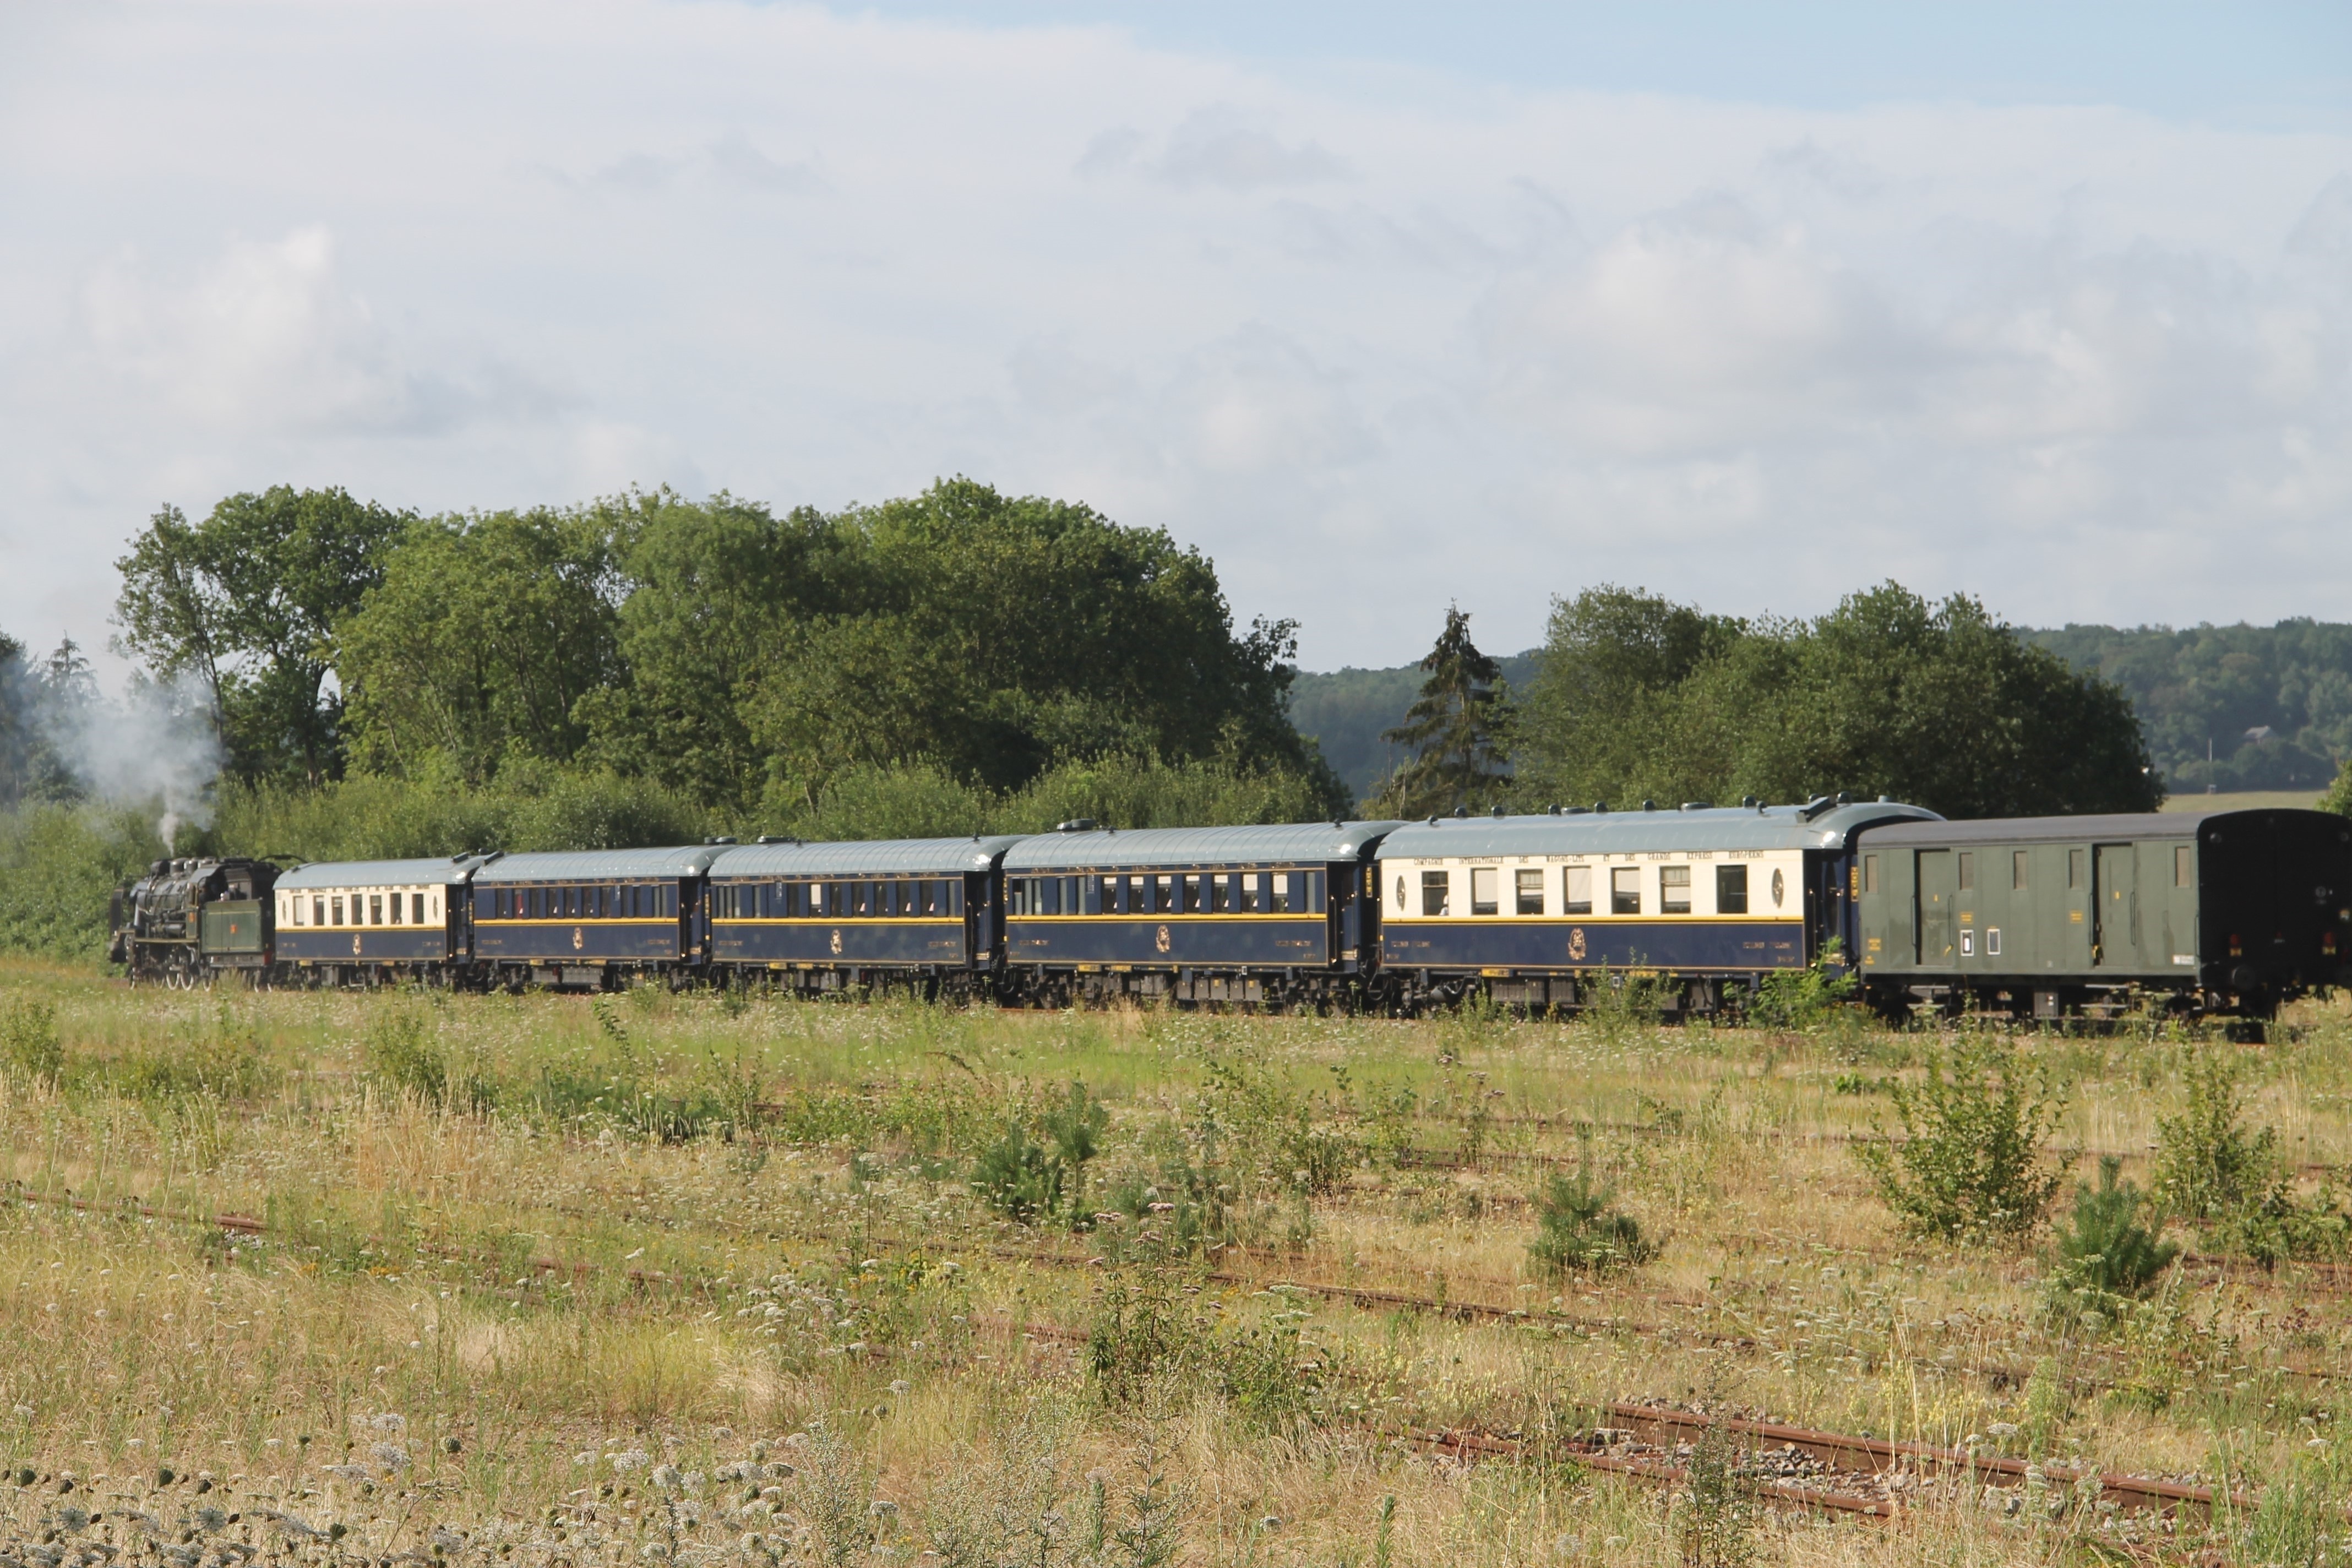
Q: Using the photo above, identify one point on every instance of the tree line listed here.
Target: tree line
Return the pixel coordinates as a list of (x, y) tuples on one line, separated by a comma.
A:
[(2236, 707), (1636, 698), (742, 659), (649, 667)]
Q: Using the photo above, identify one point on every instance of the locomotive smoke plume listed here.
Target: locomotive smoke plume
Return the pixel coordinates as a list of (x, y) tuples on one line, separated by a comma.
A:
[(155, 745)]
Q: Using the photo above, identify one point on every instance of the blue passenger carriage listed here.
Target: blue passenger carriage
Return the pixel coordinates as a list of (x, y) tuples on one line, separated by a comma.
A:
[(591, 919), (1531, 907), (1270, 915), (364, 922), (834, 917)]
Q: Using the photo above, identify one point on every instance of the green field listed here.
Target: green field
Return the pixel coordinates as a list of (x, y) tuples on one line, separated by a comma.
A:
[(537, 1280), (2243, 800)]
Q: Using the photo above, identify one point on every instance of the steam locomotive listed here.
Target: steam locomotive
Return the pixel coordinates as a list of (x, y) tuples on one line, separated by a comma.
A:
[(2194, 912)]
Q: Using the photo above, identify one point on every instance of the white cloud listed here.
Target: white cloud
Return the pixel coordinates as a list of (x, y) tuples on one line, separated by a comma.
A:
[(1372, 341)]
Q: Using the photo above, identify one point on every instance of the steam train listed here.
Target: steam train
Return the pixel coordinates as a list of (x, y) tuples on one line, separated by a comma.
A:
[(2051, 917)]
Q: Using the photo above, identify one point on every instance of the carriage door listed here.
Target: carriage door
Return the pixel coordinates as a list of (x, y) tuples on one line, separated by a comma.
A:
[(1936, 895), (2115, 894)]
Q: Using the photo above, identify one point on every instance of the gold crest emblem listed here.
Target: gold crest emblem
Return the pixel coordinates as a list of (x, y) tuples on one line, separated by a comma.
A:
[(579, 939), (1161, 940), (355, 945), (1575, 944), (836, 941)]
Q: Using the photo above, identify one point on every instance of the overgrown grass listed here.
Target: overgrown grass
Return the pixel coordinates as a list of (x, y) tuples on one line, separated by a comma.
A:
[(709, 1240)]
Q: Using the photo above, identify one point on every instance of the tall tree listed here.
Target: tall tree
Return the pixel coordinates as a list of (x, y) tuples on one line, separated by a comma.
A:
[(246, 603), (17, 690), (1598, 721), (479, 643), (1458, 728), (992, 634), (1939, 704)]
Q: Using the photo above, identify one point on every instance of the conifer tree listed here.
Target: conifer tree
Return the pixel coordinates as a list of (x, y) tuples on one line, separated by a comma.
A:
[(1458, 728)]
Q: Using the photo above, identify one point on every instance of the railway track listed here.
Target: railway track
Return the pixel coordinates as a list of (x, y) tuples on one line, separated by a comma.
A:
[(1791, 1467), (1796, 1467)]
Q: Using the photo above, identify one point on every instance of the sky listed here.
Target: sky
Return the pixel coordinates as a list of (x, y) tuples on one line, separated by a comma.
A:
[(1380, 307)]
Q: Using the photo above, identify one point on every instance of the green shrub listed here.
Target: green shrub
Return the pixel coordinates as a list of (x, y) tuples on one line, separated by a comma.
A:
[(2106, 1255), (1019, 1177), (1714, 1515), (405, 1052), (59, 865), (2279, 1226), (2206, 1164), (1269, 1135), (1578, 1229), (1144, 1333), (29, 1043), (2298, 1519), (400, 1054), (1971, 1161), (1804, 998), (1029, 1181)]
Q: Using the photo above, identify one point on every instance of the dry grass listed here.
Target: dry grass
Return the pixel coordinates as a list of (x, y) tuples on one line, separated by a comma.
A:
[(458, 1313)]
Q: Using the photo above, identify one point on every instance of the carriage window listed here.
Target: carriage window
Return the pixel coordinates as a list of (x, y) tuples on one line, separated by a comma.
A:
[(1016, 895), (1436, 892), (2073, 867), (1870, 873), (1310, 885), (339, 912), (1278, 892), (1483, 882), (2182, 872), (1731, 889), (1163, 894), (1967, 870), (1107, 895), (319, 912), (1530, 892), (395, 909), (1625, 890), (2019, 868), (1192, 895), (1253, 897), (1576, 883), (375, 908), (910, 897), (1220, 894), (1674, 889), (417, 908)]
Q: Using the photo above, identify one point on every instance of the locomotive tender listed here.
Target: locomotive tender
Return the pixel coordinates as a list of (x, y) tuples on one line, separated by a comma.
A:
[(2051, 916)]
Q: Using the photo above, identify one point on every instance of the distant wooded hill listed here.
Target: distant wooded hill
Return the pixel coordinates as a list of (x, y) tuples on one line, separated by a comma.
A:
[(2275, 701)]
